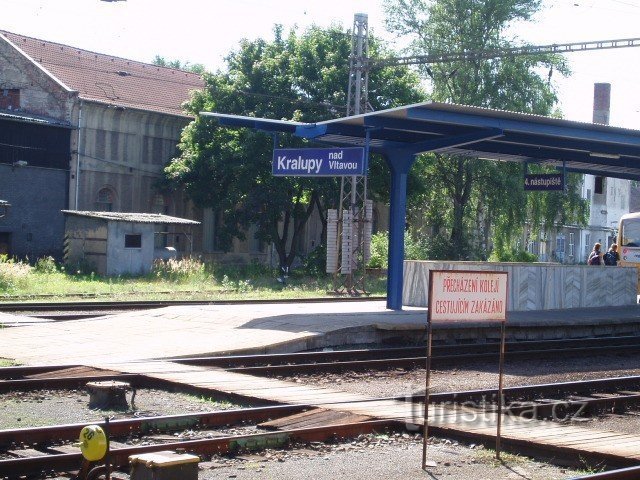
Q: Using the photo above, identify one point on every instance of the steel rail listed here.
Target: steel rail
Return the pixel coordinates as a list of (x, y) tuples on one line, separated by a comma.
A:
[(512, 394), (374, 359), (119, 457), (419, 362), (514, 348), (145, 425), (136, 380), (141, 304), (66, 461), (631, 473)]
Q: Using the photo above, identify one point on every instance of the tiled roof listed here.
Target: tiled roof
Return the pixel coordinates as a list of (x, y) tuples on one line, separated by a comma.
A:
[(133, 217), (113, 80)]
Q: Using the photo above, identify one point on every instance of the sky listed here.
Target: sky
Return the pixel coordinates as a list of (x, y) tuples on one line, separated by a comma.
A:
[(205, 31)]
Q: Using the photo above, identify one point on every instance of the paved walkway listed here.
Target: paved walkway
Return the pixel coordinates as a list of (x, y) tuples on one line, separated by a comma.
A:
[(193, 331), (183, 331)]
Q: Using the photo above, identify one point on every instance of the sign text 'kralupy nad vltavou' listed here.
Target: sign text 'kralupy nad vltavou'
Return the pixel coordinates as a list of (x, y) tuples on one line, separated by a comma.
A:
[(318, 162)]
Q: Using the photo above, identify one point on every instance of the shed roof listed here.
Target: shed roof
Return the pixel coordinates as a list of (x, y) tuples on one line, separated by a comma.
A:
[(113, 80), (132, 217), (35, 119), (476, 132)]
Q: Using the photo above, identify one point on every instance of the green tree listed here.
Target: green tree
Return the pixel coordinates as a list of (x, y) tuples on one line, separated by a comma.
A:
[(177, 64), (298, 77), (484, 199)]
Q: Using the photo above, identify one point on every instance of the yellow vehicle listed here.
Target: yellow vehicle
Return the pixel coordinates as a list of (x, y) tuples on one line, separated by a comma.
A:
[(629, 242), (629, 239)]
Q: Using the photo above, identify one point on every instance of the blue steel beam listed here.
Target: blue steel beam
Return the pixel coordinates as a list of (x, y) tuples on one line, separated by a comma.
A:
[(453, 141), (602, 173), (545, 153), (531, 141), (523, 126), (255, 123)]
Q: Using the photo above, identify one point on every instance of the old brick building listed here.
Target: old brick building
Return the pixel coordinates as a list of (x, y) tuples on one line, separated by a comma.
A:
[(82, 130)]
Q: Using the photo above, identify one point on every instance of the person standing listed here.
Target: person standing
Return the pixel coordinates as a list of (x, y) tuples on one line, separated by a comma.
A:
[(612, 257), (595, 257)]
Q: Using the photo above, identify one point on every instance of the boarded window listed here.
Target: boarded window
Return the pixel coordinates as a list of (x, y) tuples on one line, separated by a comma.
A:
[(9, 99), (101, 136), (157, 152), (104, 202), (115, 143), (133, 240)]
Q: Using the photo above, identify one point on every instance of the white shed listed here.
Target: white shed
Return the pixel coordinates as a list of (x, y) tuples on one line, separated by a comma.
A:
[(117, 243)]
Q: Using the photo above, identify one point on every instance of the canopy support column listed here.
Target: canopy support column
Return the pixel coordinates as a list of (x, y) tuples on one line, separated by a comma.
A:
[(399, 163)]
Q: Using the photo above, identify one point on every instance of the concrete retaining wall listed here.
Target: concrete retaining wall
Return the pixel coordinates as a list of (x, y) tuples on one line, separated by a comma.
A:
[(536, 286)]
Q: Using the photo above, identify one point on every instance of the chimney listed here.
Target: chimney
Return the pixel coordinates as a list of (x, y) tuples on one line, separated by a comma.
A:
[(601, 103)]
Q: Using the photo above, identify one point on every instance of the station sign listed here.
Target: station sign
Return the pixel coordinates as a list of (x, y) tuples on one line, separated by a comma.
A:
[(467, 296), (544, 181), (318, 162)]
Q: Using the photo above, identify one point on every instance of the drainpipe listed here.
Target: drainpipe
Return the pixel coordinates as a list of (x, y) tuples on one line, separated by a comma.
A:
[(78, 154)]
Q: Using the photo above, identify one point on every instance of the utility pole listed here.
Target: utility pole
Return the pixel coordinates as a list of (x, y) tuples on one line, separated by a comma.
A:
[(353, 230)]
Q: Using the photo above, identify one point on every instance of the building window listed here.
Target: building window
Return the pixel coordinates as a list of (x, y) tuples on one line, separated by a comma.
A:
[(104, 203), (133, 240), (560, 247), (587, 245), (599, 185), (9, 99), (571, 245)]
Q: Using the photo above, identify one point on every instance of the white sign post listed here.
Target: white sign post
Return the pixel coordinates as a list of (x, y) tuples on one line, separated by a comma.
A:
[(465, 296)]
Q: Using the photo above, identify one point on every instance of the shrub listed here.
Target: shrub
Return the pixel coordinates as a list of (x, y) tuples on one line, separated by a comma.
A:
[(177, 270), (415, 248), (13, 273), (240, 286), (315, 263), (513, 256), (46, 265), (379, 250)]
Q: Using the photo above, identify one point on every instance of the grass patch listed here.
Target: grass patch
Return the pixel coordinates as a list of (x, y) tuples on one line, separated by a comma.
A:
[(218, 404), (488, 457), (185, 279), (6, 362)]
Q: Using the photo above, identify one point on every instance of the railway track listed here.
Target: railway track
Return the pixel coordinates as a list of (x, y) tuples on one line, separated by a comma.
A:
[(98, 305), (306, 363), (47, 449), (559, 401)]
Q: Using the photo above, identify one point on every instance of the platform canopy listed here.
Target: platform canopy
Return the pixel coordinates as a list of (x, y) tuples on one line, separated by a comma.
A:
[(401, 133)]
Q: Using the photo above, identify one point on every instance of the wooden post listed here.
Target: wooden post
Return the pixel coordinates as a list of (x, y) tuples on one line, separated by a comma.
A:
[(500, 383), (425, 429)]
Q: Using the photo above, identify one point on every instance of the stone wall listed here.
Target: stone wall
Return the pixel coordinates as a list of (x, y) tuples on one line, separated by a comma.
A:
[(536, 286), (40, 94)]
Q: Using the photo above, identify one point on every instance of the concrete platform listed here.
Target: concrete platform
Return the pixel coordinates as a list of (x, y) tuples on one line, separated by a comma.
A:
[(187, 331)]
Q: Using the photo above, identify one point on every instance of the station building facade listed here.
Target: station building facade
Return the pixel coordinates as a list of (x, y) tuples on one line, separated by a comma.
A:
[(86, 131)]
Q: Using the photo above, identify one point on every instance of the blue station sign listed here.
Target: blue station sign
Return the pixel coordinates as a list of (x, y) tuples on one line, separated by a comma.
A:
[(544, 181), (318, 162)]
